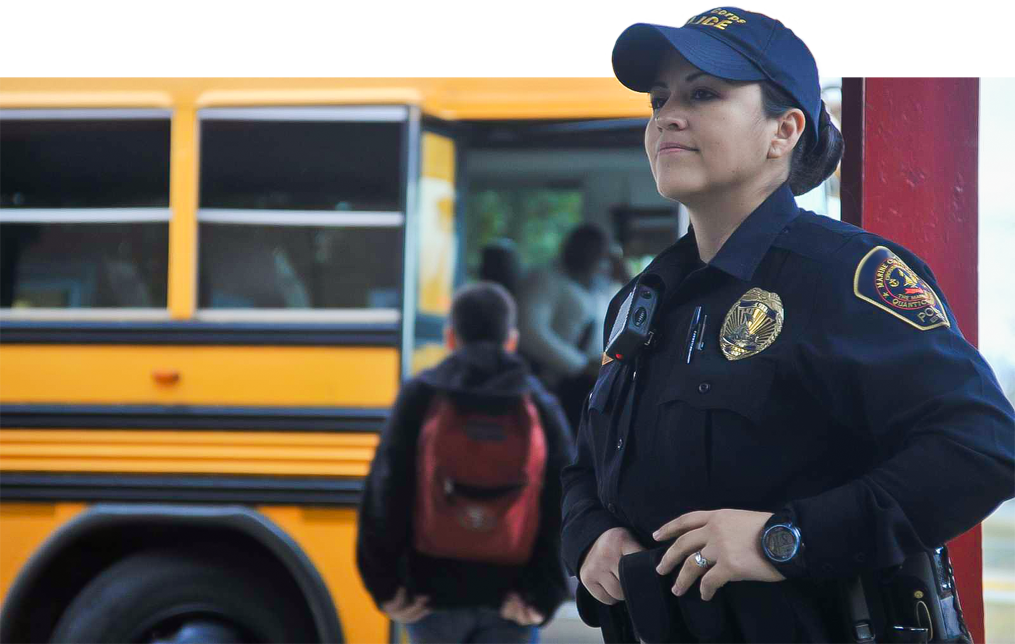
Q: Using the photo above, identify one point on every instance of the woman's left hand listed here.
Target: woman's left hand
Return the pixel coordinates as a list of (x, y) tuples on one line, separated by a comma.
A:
[(729, 539)]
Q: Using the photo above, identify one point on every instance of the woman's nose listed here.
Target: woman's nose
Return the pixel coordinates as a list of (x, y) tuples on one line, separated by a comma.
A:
[(669, 117)]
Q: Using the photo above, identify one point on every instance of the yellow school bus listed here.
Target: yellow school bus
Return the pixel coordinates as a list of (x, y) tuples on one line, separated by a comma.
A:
[(211, 289)]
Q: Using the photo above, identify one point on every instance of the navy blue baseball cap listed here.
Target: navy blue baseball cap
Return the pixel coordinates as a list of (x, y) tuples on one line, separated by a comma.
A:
[(728, 43)]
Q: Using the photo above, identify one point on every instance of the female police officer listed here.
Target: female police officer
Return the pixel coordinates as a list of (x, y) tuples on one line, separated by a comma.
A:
[(806, 381)]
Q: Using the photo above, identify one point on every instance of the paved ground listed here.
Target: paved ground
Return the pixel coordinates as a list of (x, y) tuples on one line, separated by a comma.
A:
[(567, 628), (998, 586)]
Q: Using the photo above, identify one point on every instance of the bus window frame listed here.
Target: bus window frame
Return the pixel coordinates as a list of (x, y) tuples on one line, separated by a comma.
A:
[(111, 215), (406, 115)]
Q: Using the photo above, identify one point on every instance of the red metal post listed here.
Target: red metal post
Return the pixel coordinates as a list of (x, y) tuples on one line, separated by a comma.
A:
[(910, 174)]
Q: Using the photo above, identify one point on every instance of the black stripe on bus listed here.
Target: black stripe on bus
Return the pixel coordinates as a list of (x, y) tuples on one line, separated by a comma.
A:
[(180, 488), (277, 419), (185, 332)]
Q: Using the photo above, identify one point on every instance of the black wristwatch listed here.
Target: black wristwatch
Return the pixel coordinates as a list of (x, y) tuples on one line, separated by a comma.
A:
[(783, 545)]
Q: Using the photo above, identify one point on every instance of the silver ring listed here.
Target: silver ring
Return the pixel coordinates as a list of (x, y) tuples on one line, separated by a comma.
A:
[(701, 560)]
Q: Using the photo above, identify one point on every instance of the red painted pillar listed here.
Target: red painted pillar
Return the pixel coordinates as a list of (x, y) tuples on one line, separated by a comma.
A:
[(909, 173)]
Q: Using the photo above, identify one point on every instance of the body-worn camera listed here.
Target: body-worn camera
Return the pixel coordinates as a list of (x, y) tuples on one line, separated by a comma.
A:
[(632, 329)]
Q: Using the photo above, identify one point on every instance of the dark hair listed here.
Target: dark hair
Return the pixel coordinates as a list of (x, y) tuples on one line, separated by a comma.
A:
[(584, 248), (482, 312), (500, 263), (812, 162)]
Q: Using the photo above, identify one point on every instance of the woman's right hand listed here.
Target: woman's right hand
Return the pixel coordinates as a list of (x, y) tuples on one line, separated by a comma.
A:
[(600, 572)]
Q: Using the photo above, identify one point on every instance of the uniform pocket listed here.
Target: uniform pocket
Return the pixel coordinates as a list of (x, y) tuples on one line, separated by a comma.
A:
[(712, 417), (740, 387)]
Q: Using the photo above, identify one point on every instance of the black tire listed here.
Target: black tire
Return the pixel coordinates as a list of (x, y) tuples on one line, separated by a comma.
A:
[(151, 595)]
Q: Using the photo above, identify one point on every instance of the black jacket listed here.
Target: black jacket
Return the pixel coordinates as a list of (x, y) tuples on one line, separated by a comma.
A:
[(868, 417), (475, 374)]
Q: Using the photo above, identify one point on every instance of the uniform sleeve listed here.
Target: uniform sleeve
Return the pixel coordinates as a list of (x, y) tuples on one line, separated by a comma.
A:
[(536, 303), (584, 517), (941, 429), (385, 510)]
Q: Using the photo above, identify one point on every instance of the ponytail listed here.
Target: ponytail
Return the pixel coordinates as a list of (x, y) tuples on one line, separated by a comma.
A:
[(813, 161)]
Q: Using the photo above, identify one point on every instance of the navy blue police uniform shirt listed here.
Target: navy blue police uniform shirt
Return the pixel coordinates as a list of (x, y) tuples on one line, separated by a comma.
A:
[(867, 417)]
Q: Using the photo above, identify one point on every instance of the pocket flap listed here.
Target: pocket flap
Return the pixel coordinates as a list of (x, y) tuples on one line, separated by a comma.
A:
[(741, 387)]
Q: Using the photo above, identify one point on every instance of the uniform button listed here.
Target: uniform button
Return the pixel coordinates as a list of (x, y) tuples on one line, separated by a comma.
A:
[(620, 443), (634, 376), (859, 557), (704, 388), (611, 508)]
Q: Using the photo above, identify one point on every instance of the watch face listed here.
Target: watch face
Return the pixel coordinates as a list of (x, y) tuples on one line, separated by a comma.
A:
[(782, 542)]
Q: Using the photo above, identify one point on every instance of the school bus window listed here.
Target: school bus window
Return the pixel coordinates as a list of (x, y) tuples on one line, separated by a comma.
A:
[(252, 266), (83, 265), (297, 206), (295, 159), (84, 159), (84, 209)]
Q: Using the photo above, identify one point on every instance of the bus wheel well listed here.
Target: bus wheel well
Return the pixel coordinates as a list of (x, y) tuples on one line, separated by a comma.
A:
[(65, 564)]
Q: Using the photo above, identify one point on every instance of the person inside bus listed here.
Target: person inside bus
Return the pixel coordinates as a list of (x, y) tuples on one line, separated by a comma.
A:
[(451, 596), (499, 263), (252, 270), (557, 317), (603, 291), (808, 411)]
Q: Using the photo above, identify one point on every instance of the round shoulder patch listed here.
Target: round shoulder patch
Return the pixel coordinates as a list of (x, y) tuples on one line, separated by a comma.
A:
[(885, 281)]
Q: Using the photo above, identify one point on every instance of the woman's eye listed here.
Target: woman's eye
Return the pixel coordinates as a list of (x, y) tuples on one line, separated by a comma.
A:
[(702, 95), (657, 102)]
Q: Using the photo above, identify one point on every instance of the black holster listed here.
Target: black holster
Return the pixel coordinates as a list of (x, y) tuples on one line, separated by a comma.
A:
[(650, 612), (916, 602), (739, 612)]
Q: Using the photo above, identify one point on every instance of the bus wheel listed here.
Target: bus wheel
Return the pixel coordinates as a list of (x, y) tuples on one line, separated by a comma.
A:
[(178, 597), (198, 630)]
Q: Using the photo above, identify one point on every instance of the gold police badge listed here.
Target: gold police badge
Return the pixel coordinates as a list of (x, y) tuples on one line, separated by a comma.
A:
[(752, 325)]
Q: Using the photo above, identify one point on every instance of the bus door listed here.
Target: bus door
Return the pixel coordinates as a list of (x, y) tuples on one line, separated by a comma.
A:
[(533, 181), (433, 242)]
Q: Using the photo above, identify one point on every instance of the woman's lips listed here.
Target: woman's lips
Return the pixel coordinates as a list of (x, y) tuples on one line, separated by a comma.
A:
[(672, 148)]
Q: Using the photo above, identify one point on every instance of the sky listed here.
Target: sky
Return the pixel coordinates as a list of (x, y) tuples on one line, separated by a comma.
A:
[(997, 200)]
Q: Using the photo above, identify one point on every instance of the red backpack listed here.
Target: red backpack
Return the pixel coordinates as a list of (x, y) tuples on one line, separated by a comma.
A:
[(478, 481)]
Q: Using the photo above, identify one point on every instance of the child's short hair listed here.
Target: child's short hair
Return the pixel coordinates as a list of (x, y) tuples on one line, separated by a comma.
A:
[(482, 312)]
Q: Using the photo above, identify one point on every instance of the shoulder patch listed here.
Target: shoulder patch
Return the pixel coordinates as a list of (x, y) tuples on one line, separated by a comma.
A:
[(885, 281)]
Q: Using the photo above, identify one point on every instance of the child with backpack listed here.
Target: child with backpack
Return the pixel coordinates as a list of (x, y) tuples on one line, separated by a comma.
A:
[(459, 525)]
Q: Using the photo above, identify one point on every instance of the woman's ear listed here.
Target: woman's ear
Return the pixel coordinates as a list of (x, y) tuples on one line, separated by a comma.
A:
[(789, 129)]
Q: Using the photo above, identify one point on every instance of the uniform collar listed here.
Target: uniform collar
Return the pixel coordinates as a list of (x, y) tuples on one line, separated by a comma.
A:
[(747, 246)]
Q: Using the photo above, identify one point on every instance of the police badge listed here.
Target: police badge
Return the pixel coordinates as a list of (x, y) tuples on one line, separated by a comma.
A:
[(752, 324)]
